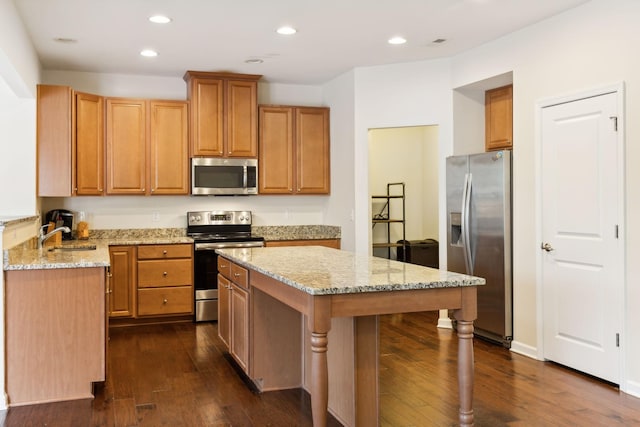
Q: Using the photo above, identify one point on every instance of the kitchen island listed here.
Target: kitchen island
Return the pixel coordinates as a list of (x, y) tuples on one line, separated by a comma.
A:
[(327, 286)]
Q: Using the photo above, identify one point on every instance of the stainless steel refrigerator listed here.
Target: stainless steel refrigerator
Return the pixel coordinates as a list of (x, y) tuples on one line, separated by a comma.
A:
[(479, 235)]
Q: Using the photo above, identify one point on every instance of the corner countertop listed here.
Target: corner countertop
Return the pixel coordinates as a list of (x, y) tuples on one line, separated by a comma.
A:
[(10, 220), (325, 271)]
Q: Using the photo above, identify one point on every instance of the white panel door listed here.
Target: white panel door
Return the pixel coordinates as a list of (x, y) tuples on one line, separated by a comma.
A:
[(581, 269)]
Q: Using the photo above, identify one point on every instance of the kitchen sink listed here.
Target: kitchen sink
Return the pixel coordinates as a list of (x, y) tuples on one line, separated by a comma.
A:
[(74, 248)]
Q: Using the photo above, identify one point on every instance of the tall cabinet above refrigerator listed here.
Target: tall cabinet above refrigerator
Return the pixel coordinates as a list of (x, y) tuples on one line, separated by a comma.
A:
[(479, 235)]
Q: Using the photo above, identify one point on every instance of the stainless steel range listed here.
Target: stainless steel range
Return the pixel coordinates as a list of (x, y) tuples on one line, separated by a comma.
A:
[(213, 230)]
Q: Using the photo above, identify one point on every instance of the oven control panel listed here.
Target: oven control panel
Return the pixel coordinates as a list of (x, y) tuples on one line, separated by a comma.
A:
[(219, 218)]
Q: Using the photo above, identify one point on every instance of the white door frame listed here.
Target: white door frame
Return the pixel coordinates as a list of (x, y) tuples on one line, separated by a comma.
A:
[(622, 265)]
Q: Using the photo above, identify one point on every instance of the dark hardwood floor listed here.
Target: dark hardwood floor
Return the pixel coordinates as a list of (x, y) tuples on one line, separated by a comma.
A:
[(177, 375)]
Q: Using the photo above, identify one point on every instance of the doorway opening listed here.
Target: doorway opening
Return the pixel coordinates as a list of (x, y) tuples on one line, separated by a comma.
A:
[(408, 156)]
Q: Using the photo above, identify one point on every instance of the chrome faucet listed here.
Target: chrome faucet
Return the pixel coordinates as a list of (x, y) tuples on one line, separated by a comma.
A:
[(43, 237)]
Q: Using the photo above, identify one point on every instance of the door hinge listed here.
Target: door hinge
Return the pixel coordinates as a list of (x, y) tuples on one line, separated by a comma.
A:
[(617, 340), (615, 122)]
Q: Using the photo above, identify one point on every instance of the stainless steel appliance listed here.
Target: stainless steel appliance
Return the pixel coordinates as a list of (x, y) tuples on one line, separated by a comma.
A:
[(213, 230), (479, 235), (222, 176)]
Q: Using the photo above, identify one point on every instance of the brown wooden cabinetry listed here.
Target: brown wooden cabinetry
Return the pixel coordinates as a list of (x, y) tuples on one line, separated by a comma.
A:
[(123, 281), (223, 118), (89, 144), (233, 310), (294, 150), (70, 135), (147, 147), (499, 118), (165, 280), (126, 134), (55, 334)]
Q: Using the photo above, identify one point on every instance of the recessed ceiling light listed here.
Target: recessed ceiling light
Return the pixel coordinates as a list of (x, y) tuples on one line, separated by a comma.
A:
[(159, 19), (397, 40), (65, 40), (254, 61), (286, 31), (148, 53)]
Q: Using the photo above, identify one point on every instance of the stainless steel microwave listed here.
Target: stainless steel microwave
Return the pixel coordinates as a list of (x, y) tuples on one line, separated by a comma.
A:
[(223, 176)]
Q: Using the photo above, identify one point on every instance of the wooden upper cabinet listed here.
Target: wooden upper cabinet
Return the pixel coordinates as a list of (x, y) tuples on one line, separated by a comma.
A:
[(147, 147), (169, 148), (126, 134), (312, 150), (55, 141), (275, 163), (223, 117), (89, 144), (499, 118), (294, 150)]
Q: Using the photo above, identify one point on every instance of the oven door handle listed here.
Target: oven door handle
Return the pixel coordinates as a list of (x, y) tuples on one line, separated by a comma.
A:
[(210, 246)]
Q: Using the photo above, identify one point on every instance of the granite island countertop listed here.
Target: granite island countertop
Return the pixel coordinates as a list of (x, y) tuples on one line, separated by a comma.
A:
[(325, 271)]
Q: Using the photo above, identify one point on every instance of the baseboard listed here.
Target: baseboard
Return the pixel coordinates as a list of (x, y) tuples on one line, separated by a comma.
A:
[(445, 323), (524, 349), (632, 388)]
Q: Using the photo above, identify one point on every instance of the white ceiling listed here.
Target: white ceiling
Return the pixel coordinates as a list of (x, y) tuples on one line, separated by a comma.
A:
[(334, 36)]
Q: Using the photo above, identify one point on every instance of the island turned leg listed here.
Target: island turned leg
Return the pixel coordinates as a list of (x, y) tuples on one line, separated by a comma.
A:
[(319, 323), (465, 371), (319, 379)]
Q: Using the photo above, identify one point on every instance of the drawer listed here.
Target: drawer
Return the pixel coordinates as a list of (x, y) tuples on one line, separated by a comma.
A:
[(159, 301), (165, 251), (171, 272), (224, 267), (239, 276)]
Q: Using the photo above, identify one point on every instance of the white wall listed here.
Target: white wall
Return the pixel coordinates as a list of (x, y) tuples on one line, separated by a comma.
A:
[(340, 207), (411, 94), (588, 47)]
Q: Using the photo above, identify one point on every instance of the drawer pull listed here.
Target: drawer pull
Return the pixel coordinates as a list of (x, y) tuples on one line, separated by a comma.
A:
[(164, 301), (164, 274), (236, 274), (224, 265), (164, 252)]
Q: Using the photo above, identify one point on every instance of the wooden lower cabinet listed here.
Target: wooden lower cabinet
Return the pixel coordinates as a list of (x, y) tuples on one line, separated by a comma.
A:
[(151, 282), (233, 310), (165, 280), (55, 334), (239, 345), (122, 295)]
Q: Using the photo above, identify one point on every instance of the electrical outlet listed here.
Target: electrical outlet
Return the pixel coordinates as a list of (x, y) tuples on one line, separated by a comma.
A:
[(155, 217)]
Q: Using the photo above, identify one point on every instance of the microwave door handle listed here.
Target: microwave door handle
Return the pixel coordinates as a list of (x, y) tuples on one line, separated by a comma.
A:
[(244, 176)]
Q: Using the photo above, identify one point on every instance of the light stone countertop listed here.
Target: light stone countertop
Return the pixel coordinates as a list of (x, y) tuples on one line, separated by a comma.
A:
[(324, 271), (10, 220), (27, 257)]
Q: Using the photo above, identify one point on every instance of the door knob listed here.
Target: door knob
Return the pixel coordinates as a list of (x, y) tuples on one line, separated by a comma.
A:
[(547, 247)]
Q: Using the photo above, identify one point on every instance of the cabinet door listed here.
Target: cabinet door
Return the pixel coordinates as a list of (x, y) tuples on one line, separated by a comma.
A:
[(241, 118), (126, 132), (224, 302), (275, 163), (499, 118), (207, 128), (89, 144), (56, 153), (169, 166), (123, 281), (312, 150), (240, 326)]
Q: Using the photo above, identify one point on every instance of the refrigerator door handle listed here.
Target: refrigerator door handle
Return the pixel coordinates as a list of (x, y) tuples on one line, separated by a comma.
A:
[(466, 241)]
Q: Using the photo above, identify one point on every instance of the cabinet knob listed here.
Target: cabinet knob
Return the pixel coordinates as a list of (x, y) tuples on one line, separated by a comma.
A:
[(164, 301), (236, 274), (164, 273), (164, 252)]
